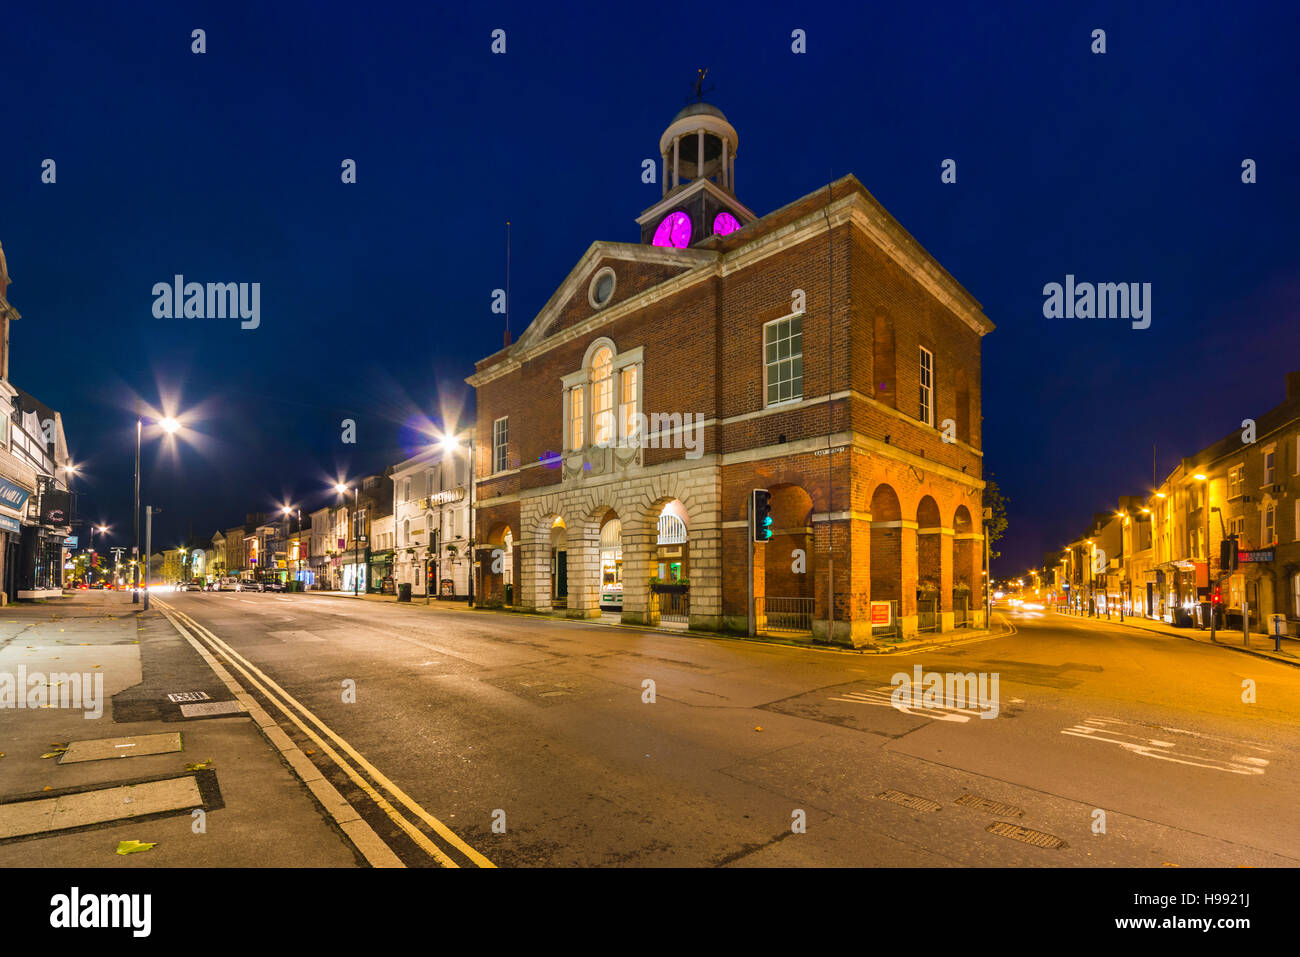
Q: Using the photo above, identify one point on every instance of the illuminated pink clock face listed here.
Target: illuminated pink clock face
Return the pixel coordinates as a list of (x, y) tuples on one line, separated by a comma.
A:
[(675, 230), (725, 223)]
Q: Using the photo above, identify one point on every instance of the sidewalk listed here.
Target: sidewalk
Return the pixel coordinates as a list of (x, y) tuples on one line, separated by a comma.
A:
[(124, 733), (1261, 646)]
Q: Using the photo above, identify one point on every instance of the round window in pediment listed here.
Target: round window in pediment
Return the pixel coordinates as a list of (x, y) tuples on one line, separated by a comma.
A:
[(601, 290)]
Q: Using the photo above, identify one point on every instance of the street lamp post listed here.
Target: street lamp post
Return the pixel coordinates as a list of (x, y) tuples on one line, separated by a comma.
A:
[(356, 533), (170, 426), (1209, 581), (450, 443)]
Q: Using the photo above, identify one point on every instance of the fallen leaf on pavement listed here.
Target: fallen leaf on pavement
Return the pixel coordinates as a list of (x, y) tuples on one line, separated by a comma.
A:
[(758, 729), (199, 766), (134, 847)]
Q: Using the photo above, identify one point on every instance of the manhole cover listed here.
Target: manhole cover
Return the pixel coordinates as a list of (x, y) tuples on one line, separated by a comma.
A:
[(209, 708), (1026, 835), (188, 696), (909, 800), (992, 807)]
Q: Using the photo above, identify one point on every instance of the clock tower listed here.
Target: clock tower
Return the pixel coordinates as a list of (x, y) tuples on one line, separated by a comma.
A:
[(699, 202)]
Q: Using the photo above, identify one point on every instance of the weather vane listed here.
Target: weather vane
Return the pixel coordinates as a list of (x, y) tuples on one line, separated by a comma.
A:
[(699, 84)]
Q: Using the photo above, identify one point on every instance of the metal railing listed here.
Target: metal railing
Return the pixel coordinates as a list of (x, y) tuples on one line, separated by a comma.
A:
[(892, 630), (672, 607), (788, 615), (927, 612), (961, 617)]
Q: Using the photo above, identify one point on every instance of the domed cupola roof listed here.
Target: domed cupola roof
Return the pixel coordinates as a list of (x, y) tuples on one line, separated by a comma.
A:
[(699, 144)]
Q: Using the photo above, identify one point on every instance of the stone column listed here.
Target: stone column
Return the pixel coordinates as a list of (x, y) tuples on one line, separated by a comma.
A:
[(724, 174), (584, 571), (664, 178), (535, 572), (859, 559), (699, 163), (946, 567), (638, 557), (907, 593), (677, 159), (706, 577)]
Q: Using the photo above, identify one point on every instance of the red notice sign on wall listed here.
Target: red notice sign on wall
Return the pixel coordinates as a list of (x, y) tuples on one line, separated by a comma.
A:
[(882, 613)]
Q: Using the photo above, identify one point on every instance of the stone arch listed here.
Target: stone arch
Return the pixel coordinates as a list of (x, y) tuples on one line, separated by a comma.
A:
[(929, 565), (785, 569), (965, 554), (499, 564), (886, 545), (928, 560)]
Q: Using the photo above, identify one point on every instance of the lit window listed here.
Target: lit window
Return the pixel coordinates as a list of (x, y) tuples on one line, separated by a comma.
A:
[(627, 406), (927, 386), (602, 397), (783, 360), (1234, 480), (1268, 466), (500, 443), (576, 436)]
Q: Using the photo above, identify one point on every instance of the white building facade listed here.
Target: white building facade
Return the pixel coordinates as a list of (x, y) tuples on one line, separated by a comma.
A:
[(431, 524)]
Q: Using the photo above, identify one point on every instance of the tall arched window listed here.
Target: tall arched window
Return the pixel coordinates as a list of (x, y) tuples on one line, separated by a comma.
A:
[(602, 397), (406, 532)]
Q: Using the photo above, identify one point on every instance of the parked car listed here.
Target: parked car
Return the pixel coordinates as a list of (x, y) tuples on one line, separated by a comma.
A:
[(192, 586), (228, 584), (273, 584), (249, 585)]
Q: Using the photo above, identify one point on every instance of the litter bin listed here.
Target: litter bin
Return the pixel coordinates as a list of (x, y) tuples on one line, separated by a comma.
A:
[(404, 591), (510, 593)]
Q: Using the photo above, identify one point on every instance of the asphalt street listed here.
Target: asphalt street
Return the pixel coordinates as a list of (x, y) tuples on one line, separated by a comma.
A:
[(524, 741)]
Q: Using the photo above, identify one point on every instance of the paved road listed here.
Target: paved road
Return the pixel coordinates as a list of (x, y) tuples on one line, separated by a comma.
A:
[(544, 727)]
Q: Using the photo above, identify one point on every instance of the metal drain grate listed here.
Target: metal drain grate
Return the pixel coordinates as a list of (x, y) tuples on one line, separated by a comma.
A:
[(992, 807), (1026, 835), (910, 801)]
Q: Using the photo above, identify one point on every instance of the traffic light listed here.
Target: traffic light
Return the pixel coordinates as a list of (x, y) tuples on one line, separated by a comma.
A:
[(760, 511), (1228, 554)]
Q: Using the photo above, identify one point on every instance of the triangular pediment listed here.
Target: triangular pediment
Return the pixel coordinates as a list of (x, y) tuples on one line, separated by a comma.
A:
[(636, 267)]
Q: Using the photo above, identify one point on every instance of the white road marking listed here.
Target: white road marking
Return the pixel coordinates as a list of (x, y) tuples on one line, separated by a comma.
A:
[(1193, 753), (883, 698)]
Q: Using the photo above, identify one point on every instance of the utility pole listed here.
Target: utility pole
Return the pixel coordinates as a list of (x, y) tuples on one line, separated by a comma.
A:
[(135, 583), (148, 547)]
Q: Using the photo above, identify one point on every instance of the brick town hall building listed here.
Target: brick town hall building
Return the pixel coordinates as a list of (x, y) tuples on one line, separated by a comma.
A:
[(817, 352)]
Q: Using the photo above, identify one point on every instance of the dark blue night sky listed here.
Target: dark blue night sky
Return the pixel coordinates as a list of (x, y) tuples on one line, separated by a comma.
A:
[(1124, 167)]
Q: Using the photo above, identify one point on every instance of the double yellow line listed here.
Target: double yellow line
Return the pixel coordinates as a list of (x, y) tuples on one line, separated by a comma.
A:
[(296, 712)]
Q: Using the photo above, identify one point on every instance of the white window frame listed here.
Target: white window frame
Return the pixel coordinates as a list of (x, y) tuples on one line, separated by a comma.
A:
[(925, 378), (575, 425), (769, 403), (500, 444), (627, 432), (1267, 530), (1270, 470), (580, 381), (1236, 479)]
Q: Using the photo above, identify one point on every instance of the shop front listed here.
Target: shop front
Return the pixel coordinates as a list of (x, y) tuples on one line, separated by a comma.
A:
[(381, 567)]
